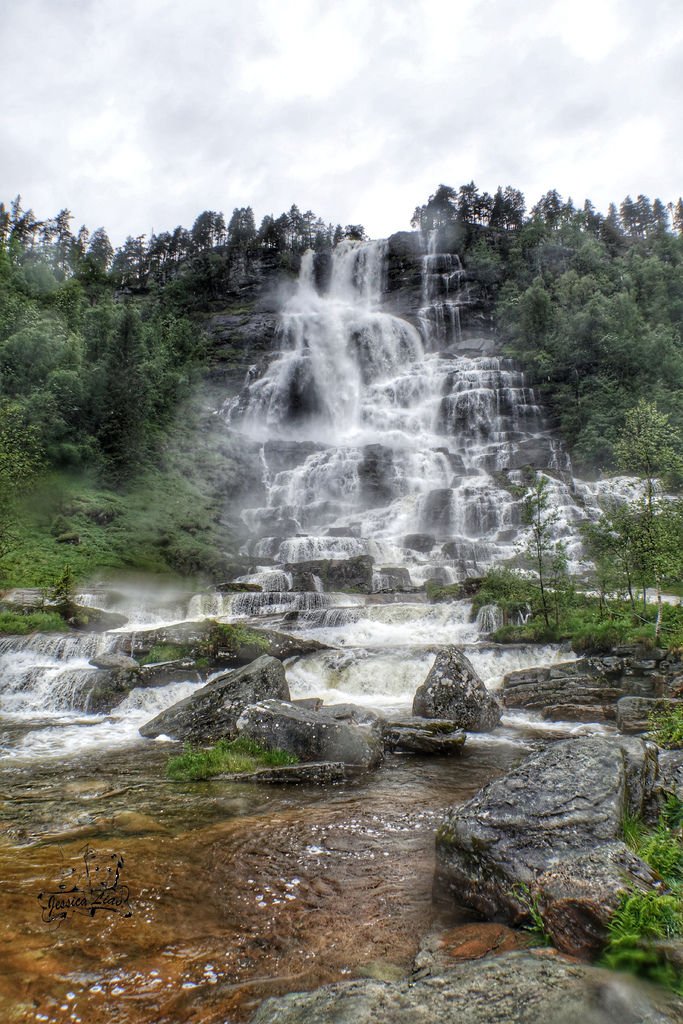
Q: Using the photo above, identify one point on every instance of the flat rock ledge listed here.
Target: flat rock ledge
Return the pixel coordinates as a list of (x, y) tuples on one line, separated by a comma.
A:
[(423, 736), (318, 773), (515, 988), (551, 831)]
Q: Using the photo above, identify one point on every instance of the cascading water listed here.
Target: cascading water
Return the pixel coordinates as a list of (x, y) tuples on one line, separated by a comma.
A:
[(379, 438)]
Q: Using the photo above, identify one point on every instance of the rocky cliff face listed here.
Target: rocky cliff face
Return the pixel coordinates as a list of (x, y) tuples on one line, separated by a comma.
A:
[(244, 332)]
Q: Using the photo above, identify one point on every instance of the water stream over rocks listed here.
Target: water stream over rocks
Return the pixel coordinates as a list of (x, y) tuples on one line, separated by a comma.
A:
[(395, 438)]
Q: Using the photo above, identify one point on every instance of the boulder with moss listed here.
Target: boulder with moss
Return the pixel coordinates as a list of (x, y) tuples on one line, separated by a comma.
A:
[(547, 840), (211, 713)]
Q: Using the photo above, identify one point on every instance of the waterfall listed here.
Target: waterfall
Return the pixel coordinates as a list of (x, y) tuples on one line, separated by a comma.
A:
[(380, 438), (489, 618)]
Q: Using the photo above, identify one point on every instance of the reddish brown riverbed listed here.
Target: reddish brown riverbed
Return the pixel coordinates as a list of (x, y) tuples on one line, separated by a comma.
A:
[(236, 892)]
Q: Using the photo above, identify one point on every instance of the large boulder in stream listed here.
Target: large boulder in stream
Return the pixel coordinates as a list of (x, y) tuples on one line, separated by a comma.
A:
[(211, 713), (515, 988), (99, 691), (314, 735), (218, 643), (550, 833), (454, 691)]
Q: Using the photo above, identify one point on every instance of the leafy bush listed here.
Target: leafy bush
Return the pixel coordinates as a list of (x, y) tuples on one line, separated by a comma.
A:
[(18, 623), (536, 929), (166, 652), (437, 593), (666, 727), (643, 919), (512, 592), (226, 757), (224, 639)]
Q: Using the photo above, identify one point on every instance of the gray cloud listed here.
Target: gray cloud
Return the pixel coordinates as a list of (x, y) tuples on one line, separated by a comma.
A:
[(138, 116)]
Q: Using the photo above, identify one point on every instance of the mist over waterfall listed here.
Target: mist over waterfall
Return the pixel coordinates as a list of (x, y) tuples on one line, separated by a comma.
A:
[(398, 437)]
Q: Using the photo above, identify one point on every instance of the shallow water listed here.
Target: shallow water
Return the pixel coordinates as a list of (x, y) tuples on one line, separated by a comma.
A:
[(237, 891)]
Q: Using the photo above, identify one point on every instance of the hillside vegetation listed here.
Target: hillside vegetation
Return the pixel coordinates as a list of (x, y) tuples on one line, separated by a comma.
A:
[(110, 458)]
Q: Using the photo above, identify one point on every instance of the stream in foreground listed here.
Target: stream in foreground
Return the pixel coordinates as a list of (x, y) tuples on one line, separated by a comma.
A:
[(236, 891)]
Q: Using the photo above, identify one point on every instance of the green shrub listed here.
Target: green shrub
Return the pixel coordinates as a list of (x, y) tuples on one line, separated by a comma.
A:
[(226, 757), (513, 593), (166, 652), (641, 921), (536, 929), (645, 918), (535, 631), (18, 623), (224, 639), (437, 593), (666, 727)]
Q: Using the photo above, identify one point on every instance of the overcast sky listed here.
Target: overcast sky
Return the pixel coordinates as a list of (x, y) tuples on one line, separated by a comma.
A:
[(139, 114)]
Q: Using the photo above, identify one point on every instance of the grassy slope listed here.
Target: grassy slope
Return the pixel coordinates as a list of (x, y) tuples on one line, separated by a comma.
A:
[(178, 517)]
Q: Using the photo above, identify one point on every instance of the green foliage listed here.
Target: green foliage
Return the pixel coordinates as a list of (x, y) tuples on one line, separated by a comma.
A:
[(666, 727), (546, 555), (510, 590), (19, 623), (437, 593), (641, 920), (226, 757), (662, 846), (645, 918), (536, 928), (63, 593), (228, 640), (166, 652)]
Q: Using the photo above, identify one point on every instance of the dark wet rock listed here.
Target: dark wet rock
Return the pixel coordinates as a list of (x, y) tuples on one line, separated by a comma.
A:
[(354, 714), (354, 574), (304, 583), (352, 530), (436, 512), (442, 948), (422, 542), (95, 620), (392, 578), (310, 735), (211, 713), (282, 455), (453, 690), (115, 661), (100, 691), (515, 988), (312, 703), (176, 671), (598, 681), (238, 588), (670, 777), (424, 736), (577, 713), (241, 337), (633, 712), (317, 773), (377, 475), (553, 826)]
